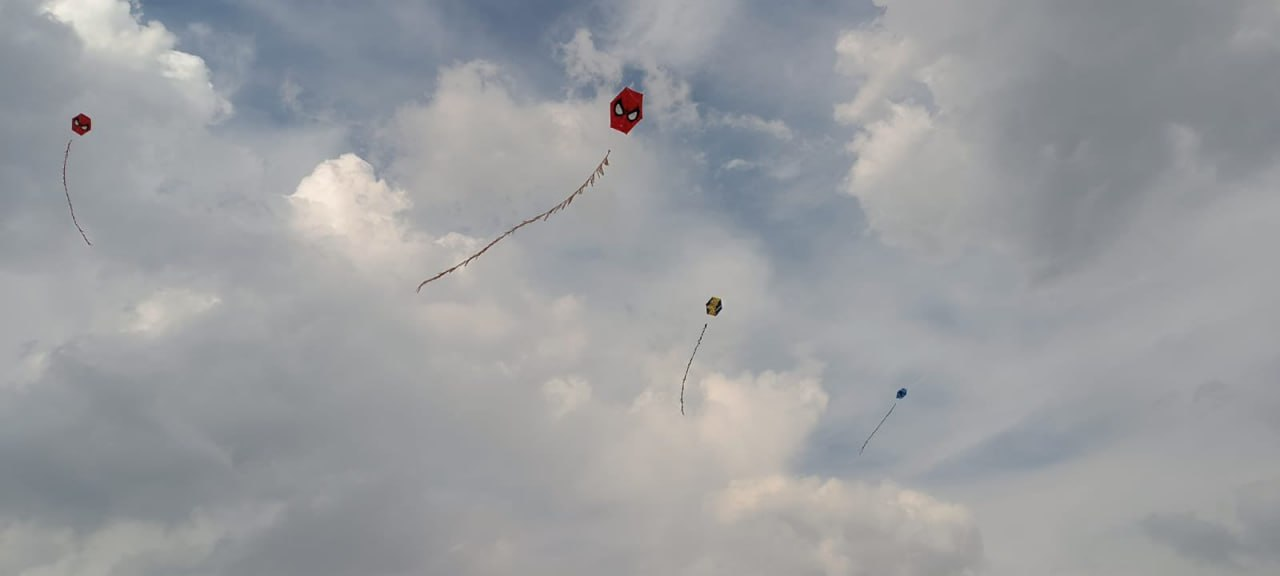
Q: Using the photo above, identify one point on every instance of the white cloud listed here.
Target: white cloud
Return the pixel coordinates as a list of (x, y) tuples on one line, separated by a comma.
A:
[(886, 63), (289, 93), (677, 33), (853, 529), (585, 64), (1127, 197), (293, 393), (167, 308), (111, 30), (229, 56), (669, 102), (775, 128), (756, 424), (738, 164), (1060, 146), (27, 549), (343, 199), (566, 395), (668, 96), (914, 178)]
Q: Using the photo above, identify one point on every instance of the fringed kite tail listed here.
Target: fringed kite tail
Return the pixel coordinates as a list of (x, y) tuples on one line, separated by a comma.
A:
[(873, 432), (686, 368), (67, 191), (599, 171)]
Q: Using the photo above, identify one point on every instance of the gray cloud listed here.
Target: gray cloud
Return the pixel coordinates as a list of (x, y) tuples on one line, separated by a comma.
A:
[(1197, 539), (238, 377), (1066, 115), (1252, 545), (230, 381)]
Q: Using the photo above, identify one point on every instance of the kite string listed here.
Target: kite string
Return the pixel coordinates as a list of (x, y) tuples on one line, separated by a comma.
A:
[(65, 156), (591, 180), (686, 368), (873, 432)]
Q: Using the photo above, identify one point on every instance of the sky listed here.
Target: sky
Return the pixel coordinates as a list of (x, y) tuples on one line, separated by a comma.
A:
[(1051, 220)]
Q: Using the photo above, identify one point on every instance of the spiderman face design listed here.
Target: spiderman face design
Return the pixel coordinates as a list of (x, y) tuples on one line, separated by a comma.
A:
[(81, 124), (626, 110)]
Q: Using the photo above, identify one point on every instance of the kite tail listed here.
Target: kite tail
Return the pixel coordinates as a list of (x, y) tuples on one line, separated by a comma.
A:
[(873, 432), (65, 156), (686, 368), (591, 181)]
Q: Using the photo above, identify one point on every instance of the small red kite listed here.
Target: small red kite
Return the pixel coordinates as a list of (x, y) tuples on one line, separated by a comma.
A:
[(81, 125)]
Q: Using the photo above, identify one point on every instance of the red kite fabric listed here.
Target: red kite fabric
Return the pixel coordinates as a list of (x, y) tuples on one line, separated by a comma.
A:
[(81, 124), (626, 110)]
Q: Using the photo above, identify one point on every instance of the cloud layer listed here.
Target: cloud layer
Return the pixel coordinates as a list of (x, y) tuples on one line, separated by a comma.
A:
[(1050, 219)]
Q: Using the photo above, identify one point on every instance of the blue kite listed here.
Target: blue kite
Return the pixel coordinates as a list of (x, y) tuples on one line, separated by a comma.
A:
[(902, 393)]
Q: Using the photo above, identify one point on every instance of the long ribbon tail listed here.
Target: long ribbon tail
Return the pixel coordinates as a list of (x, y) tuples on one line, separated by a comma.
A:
[(686, 368), (65, 156), (591, 181), (873, 432)]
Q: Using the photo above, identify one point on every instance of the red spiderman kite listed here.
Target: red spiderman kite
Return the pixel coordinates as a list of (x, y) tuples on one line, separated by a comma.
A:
[(81, 125), (626, 110), (624, 113)]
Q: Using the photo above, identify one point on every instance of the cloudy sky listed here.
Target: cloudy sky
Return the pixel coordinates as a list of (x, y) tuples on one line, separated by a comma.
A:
[(1053, 220)]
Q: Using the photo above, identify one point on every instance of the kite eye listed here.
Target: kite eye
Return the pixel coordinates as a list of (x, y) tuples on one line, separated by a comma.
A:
[(617, 108), (633, 115)]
